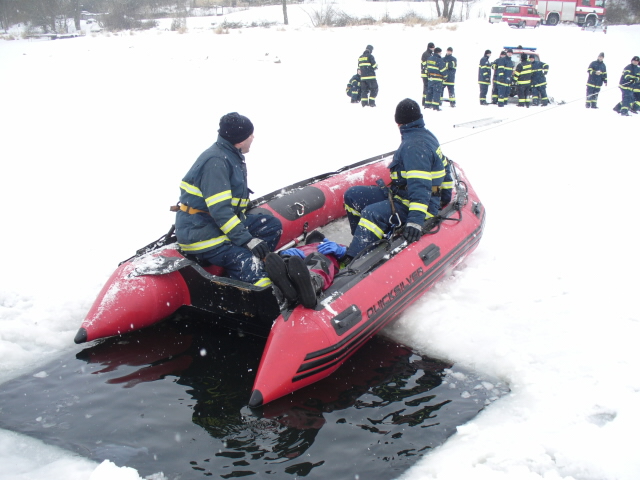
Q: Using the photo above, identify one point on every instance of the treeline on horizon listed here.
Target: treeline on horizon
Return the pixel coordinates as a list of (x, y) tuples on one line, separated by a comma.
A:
[(53, 15)]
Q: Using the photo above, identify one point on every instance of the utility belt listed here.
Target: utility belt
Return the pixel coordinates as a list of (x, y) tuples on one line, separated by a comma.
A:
[(187, 209), (435, 190)]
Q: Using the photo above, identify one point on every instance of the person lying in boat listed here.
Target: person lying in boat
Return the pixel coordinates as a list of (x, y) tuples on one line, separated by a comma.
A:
[(303, 272), (418, 172), (211, 224)]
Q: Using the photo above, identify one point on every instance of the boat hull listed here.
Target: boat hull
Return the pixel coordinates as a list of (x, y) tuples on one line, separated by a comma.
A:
[(158, 280), (306, 345), (303, 345)]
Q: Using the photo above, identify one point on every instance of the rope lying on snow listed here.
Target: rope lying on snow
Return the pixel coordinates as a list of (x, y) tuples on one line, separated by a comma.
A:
[(550, 108)]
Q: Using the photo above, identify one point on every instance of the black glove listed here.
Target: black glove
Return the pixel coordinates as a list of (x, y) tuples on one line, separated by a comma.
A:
[(258, 247), (412, 232)]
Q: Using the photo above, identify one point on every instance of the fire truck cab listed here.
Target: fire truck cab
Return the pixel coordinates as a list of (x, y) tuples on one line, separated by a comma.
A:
[(521, 15), (583, 12)]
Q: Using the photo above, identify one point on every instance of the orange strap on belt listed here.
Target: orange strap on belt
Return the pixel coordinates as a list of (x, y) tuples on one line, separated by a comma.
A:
[(186, 208)]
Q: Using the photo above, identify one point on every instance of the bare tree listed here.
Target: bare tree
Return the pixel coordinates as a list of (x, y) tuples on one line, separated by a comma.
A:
[(284, 10), (447, 9)]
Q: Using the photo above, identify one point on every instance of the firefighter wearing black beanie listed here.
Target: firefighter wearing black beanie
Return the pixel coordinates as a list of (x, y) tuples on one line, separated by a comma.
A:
[(407, 111)]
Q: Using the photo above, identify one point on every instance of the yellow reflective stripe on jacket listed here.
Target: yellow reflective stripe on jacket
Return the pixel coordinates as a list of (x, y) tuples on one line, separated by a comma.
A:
[(438, 174), (263, 282), (242, 202), (417, 174), (423, 175), (421, 207), (403, 201), (204, 244), (372, 227), (218, 197), (447, 185), (190, 189), (227, 227), (352, 211)]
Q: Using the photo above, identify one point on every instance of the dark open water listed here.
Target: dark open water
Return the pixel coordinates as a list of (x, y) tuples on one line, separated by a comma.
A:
[(173, 398)]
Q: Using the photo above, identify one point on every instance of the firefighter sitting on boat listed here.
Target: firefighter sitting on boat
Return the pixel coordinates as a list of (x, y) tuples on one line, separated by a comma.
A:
[(418, 174)]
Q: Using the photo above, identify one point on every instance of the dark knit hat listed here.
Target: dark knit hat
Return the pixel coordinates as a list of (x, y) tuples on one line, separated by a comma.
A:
[(487, 52), (503, 53), (449, 49), (601, 54), (437, 50), (509, 50), (636, 59), (407, 111), (235, 127), (370, 48), (431, 45)]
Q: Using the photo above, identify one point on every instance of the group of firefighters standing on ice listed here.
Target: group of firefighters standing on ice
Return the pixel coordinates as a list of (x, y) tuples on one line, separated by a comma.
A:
[(528, 77)]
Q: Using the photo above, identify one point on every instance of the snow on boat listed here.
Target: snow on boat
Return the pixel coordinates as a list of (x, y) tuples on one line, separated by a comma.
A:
[(303, 345)]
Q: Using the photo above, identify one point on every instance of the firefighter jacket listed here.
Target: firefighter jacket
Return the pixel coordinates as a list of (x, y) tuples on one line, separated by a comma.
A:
[(436, 68), (367, 65), (494, 67), (417, 167), (597, 74), (629, 77), (539, 72), (484, 71), (504, 67), (353, 87), (423, 62), (216, 185), (450, 73), (523, 73)]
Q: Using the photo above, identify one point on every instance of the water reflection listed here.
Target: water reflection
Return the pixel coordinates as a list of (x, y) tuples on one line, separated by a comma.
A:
[(173, 398)]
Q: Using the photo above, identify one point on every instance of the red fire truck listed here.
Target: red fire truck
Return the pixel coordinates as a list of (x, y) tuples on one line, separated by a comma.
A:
[(586, 13), (583, 12)]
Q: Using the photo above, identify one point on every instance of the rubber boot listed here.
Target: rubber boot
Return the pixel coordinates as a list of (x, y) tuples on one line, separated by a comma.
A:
[(307, 284), (277, 271), (617, 108)]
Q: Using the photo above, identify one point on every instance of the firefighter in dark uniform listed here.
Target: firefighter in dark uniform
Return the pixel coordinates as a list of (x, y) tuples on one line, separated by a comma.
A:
[(353, 88), (597, 76), (484, 76), (628, 84), (435, 72), (635, 106), (630, 76), (450, 76), (423, 72), (505, 76), (211, 223), (368, 82), (417, 173), (494, 86), (522, 76), (539, 70)]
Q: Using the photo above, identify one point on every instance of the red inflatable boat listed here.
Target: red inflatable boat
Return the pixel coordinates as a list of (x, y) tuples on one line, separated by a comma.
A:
[(304, 345)]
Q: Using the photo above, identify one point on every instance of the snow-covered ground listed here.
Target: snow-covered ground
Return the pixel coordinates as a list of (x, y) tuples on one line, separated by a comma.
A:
[(97, 132)]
